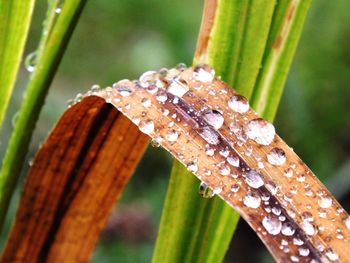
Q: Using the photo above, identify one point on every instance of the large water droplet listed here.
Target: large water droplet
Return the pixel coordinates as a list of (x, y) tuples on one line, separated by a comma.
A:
[(272, 225), (325, 201), (287, 229), (252, 200), (254, 179), (147, 78), (178, 88), (147, 126), (331, 255), (214, 118), (261, 131), (238, 103), (303, 251), (203, 73), (30, 61), (308, 228), (210, 135), (192, 167), (161, 96), (146, 102), (155, 143), (233, 160), (276, 156), (205, 191), (225, 170), (123, 87), (172, 135)]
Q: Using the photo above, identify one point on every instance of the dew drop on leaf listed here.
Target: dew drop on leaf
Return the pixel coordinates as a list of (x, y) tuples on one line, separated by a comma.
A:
[(214, 118), (261, 131), (172, 135), (325, 201), (276, 156), (147, 126), (254, 179), (205, 191), (210, 136), (272, 225), (238, 103), (204, 73), (252, 200), (287, 229)]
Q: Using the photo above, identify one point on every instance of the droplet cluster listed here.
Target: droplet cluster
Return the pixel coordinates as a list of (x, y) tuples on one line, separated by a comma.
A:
[(236, 155)]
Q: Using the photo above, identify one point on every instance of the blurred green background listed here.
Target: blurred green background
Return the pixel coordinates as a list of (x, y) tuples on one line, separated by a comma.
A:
[(121, 39)]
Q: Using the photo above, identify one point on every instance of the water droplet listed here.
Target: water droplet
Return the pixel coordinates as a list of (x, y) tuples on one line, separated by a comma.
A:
[(287, 229), (178, 88), (214, 118), (238, 103), (294, 258), (205, 191), (233, 160), (235, 188), (209, 151), (331, 255), (161, 96), (271, 187), (254, 179), (192, 167), (147, 78), (203, 73), (30, 61), (225, 170), (224, 152), (347, 222), (288, 172), (272, 225), (123, 87), (147, 126), (155, 143), (210, 135), (58, 10), (307, 216), (252, 200), (95, 88), (276, 156), (298, 241), (325, 201), (260, 131), (276, 210), (146, 102), (172, 136), (308, 228)]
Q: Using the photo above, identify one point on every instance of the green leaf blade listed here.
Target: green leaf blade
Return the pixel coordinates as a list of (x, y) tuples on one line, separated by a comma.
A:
[(50, 52), (237, 47), (15, 18)]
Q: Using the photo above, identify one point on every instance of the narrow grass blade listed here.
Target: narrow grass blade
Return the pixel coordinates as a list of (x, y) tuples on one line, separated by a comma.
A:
[(15, 17), (285, 32), (232, 39), (76, 178), (52, 46), (235, 39)]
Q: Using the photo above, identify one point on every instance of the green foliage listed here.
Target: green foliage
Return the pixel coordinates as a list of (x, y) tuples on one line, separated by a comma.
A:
[(15, 17), (241, 39), (56, 35)]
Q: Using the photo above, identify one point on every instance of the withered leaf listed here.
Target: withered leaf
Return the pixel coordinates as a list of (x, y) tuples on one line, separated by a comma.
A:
[(76, 178)]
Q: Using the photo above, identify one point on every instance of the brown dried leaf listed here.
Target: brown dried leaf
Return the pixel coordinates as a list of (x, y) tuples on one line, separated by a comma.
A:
[(76, 178)]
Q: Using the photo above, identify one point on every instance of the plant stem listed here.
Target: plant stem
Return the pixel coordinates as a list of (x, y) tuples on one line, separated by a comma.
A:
[(52, 47), (15, 17)]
